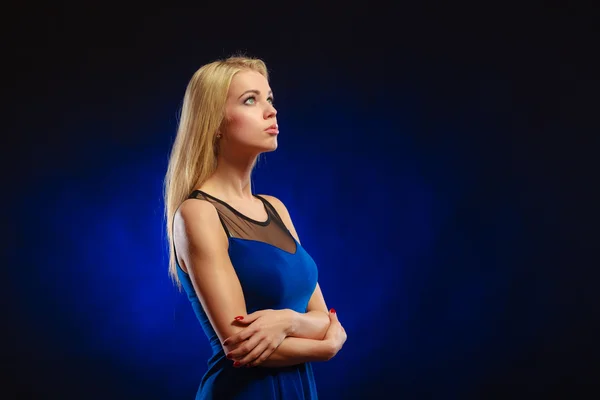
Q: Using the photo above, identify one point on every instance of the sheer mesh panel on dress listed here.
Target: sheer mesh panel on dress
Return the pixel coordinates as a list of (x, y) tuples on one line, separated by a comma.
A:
[(272, 231)]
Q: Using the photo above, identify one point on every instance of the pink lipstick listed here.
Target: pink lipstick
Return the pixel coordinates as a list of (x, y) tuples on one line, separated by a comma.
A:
[(273, 129)]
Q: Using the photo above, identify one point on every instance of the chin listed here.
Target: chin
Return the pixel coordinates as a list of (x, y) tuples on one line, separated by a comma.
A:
[(272, 146)]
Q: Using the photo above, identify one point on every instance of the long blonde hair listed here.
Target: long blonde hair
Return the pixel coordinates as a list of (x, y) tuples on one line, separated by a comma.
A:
[(194, 154)]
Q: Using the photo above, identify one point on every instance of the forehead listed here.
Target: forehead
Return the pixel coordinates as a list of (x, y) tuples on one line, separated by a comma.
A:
[(248, 80)]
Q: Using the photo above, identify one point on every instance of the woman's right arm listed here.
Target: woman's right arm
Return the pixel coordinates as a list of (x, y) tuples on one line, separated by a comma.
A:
[(202, 250)]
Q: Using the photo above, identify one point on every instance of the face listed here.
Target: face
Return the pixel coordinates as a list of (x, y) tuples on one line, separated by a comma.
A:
[(250, 118)]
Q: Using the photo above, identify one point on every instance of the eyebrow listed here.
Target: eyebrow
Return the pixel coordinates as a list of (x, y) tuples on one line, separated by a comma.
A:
[(256, 92)]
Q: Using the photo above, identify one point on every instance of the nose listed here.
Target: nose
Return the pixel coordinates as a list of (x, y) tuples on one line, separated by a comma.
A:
[(270, 111)]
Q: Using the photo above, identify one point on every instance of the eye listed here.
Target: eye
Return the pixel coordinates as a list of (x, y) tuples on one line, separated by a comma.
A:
[(270, 100), (250, 98)]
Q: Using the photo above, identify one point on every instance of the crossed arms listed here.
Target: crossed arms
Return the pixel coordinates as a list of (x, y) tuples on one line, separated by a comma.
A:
[(267, 338)]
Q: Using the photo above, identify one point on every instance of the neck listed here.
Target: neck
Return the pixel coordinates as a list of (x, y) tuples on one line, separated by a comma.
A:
[(232, 178)]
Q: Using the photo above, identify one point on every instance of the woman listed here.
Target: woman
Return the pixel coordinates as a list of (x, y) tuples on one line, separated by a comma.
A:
[(237, 255)]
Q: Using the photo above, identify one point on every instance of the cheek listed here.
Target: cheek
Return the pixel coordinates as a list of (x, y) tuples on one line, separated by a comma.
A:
[(242, 120)]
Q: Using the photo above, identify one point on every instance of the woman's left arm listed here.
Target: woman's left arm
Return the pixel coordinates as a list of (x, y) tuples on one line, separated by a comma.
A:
[(292, 350), (314, 322)]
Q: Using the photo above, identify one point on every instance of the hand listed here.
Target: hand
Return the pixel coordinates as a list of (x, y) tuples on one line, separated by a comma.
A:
[(265, 331), (336, 334)]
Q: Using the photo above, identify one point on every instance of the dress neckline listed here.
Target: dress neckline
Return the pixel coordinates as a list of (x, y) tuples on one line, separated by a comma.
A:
[(262, 223)]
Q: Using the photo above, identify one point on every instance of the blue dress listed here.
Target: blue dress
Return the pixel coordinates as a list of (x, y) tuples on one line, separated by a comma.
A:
[(275, 272)]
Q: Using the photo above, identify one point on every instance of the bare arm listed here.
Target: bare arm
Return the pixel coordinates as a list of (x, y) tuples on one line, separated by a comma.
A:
[(314, 323), (290, 351), (294, 351), (202, 250)]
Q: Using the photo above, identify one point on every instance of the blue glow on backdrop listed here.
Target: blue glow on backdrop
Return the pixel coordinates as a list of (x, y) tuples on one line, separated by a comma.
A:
[(415, 176)]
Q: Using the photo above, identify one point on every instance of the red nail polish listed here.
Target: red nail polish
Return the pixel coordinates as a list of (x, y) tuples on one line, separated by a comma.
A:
[(238, 318), (228, 356), (332, 310), (236, 364)]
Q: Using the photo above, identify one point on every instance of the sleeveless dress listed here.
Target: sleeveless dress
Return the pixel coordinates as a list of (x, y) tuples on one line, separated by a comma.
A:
[(275, 272)]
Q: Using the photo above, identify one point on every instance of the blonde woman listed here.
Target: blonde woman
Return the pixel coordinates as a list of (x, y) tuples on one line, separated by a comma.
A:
[(236, 254)]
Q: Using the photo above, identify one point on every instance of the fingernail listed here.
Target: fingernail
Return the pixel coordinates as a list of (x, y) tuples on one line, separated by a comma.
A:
[(236, 364), (229, 356), (332, 311), (239, 318)]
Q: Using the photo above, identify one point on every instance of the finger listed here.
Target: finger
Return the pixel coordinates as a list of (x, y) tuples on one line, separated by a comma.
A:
[(264, 356), (254, 354), (232, 340), (239, 337), (333, 315), (249, 318), (240, 320), (243, 349)]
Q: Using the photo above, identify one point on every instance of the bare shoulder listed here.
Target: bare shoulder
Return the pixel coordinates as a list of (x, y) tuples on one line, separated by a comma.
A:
[(278, 204), (196, 214), (280, 208), (197, 229)]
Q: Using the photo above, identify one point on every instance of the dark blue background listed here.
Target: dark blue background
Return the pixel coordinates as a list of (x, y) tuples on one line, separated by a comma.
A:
[(437, 165)]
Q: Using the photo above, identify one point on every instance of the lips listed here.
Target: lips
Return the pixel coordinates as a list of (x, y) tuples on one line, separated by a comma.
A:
[(273, 129)]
